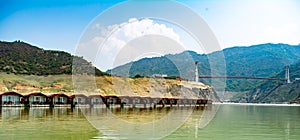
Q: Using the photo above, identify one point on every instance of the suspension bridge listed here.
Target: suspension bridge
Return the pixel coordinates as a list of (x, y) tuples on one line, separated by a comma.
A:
[(287, 76)]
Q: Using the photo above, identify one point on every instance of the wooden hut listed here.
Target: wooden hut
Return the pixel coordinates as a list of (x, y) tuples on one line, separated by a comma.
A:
[(96, 99), (156, 100), (165, 101), (183, 101), (112, 99), (11, 98), (136, 100), (201, 101), (173, 101), (79, 99), (125, 99), (147, 100), (59, 99), (35, 99)]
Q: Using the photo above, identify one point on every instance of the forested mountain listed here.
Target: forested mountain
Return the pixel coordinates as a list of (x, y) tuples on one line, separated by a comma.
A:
[(264, 60), (22, 58), (277, 91)]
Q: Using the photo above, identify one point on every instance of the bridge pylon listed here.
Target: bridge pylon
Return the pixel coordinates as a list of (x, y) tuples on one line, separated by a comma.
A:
[(196, 72), (287, 74)]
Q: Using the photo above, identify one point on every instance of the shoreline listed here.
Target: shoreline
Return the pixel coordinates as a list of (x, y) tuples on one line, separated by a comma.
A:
[(255, 104)]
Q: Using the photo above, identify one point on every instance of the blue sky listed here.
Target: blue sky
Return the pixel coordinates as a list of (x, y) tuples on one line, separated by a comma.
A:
[(51, 24), (59, 24)]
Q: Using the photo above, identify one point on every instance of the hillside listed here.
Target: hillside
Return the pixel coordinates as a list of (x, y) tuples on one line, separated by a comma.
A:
[(105, 85), (27, 69), (22, 58), (271, 91), (265, 60)]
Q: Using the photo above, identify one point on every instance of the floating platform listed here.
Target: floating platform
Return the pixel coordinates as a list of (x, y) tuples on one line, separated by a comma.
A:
[(13, 99)]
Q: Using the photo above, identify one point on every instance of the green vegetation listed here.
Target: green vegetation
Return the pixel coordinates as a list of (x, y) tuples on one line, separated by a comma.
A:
[(277, 91), (22, 58), (26, 68), (34, 83), (265, 60)]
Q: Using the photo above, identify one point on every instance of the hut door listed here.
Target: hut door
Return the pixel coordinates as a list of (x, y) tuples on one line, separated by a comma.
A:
[(37, 99), (58, 99)]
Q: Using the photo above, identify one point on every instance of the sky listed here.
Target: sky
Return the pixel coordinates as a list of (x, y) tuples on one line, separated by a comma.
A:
[(61, 25)]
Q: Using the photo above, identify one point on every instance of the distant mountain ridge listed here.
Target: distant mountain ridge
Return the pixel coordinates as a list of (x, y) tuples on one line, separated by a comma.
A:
[(264, 60), (22, 58)]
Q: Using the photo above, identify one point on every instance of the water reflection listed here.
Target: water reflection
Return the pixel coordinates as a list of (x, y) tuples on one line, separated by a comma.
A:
[(215, 122), (139, 123), (249, 122), (18, 113), (67, 123), (44, 123)]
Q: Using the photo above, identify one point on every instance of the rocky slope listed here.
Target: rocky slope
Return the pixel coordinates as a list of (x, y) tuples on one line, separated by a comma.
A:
[(105, 85), (277, 91), (278, 94)]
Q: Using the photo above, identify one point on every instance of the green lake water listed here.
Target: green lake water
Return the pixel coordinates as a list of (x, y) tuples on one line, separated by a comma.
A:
[(216, 122)]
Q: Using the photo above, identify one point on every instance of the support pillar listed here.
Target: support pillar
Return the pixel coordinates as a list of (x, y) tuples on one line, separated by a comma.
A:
[(287, 74), (196, 72)]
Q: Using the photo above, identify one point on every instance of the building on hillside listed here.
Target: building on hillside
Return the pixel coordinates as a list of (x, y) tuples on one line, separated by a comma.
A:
[(159, 75)]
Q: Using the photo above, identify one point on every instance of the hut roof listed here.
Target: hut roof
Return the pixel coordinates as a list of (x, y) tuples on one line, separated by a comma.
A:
[(11, 93), (36, 94), (78, 95), (59, 95)]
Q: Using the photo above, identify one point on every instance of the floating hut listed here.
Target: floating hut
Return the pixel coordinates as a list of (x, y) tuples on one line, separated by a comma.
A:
[(40, 99), (79, 99), (96, 99), (125, 99), (11, 98), (59, 99), (112, 100), (35, 99), (147, 100)]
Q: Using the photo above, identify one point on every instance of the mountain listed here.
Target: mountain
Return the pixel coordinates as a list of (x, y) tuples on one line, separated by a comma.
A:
[(22, 58), (277, 91), (27, 69), (264, 60)]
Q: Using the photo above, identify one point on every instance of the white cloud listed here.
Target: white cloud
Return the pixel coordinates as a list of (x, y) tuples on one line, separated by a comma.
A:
[(115, 37)]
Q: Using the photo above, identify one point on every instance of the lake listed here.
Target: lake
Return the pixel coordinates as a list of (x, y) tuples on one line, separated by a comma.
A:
[(215, 122)]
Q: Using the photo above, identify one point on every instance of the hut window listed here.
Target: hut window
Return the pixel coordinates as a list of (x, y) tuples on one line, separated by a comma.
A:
[(61, 99)]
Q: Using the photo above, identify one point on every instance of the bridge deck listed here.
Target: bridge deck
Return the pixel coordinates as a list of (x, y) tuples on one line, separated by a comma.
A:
[(243, 77)]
